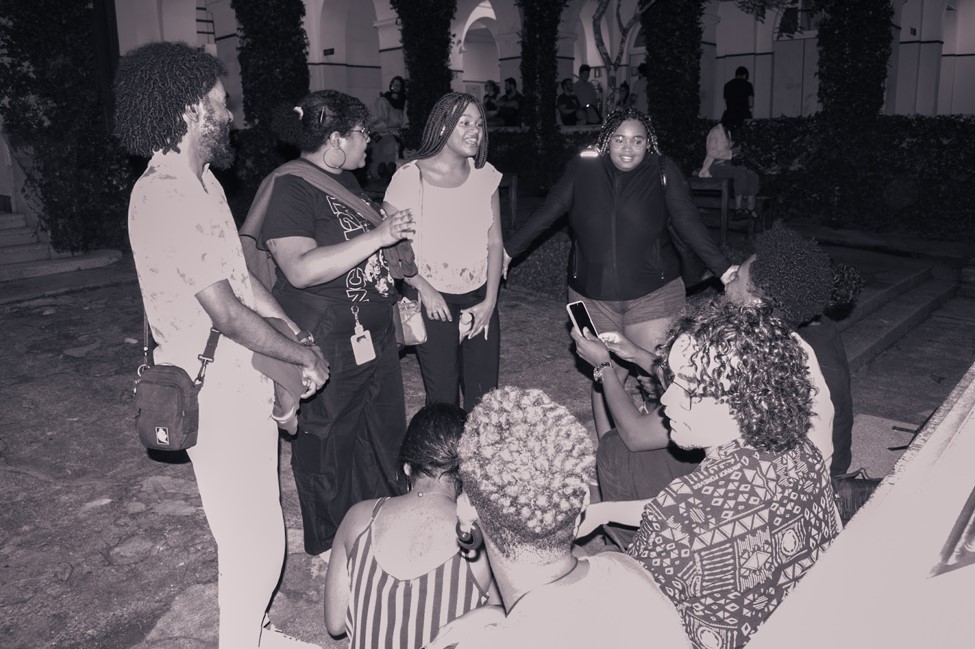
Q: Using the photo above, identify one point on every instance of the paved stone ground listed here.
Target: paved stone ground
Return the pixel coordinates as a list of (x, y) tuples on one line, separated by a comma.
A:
[(102, 546)]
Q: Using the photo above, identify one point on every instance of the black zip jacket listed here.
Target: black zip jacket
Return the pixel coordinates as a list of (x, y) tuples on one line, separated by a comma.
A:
[(622, 248)]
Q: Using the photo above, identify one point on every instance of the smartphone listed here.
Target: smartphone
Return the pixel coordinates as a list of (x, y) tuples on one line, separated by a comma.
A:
[(579, 315)]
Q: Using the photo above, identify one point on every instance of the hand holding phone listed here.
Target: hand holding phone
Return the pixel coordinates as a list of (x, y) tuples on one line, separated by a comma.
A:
[(579, 315)]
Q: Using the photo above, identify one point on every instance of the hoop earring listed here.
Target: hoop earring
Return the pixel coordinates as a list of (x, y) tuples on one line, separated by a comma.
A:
[(329, 164), (470, 540)]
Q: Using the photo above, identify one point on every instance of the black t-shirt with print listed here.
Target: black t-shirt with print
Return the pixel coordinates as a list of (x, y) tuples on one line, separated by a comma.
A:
[(297, 209)]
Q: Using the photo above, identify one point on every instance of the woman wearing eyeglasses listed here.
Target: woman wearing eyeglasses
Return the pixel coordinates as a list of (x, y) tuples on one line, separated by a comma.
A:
[(453, 192), (337, 258), (623, 264)]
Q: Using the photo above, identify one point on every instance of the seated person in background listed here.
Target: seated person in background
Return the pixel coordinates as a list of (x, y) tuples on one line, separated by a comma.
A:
[(568, 104), (719, 163), (588, 98), (795, 277), (728, 542), (510, 103), (526, 465), (624, 99), (388, 117), (490, 103), (639, 93), (395, 576)]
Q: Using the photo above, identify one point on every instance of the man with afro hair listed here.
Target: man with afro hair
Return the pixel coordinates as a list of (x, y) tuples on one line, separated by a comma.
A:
[(172, 106), (797, 279)]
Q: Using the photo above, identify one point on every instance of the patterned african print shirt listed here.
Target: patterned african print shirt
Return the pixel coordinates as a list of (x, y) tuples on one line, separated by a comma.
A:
[(729, 541)]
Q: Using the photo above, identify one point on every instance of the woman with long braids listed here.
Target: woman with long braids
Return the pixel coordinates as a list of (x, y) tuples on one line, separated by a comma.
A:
[(336, 264), (452, 191), (623, 265)]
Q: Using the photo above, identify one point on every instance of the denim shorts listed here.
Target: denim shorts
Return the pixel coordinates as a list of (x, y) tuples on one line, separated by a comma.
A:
[(614, 315)]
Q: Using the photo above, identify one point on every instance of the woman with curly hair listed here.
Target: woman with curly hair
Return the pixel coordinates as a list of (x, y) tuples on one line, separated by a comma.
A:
[(526, 465), (729, 541), (395, 576), (622, 205), (453, 192), (795, 277), (336, 259)]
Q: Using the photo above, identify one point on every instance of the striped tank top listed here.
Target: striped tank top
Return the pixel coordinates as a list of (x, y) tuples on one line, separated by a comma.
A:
[(404, 613)]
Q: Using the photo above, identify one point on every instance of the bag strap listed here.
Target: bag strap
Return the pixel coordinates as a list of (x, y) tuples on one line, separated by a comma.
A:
[(205, 358)]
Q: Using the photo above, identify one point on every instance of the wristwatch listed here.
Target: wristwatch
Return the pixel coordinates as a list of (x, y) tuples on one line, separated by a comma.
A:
[(597, 372)]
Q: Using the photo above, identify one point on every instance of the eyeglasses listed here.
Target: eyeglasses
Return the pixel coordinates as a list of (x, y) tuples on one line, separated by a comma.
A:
[(365, 132)]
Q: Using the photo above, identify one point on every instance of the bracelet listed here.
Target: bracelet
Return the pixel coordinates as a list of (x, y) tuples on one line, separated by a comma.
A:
[(597, 372)]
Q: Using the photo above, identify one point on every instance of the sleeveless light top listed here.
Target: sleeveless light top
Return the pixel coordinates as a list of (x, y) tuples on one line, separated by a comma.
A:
[(404, 613), (452, 224)]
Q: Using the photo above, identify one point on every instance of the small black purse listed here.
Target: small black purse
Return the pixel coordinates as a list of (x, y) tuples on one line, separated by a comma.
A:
[(167, 400)]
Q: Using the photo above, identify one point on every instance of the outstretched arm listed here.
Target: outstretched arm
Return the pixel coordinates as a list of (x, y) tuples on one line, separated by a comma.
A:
[(624, 512), (557, 203), (686, 219), (482, 312)]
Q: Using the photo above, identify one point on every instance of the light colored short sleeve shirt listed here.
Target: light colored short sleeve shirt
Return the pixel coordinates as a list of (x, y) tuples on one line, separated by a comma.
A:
[(616, 604), (821, 422), (452, 224), (184, 240)]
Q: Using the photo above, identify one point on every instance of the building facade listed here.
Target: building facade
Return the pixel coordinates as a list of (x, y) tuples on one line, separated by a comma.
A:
[(354, 46)]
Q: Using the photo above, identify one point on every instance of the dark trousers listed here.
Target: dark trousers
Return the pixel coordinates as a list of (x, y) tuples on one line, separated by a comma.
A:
[(349, 434), (637, 475), (450, 366), (628, 475)]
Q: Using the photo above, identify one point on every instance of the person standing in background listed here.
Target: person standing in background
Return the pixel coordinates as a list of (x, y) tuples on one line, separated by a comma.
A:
[(389, 116), (739, 95), (510, 103), (587, 96), (567, 103), (639, 93)]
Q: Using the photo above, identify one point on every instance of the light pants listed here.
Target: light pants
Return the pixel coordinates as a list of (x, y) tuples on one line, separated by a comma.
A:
[(236, 466)]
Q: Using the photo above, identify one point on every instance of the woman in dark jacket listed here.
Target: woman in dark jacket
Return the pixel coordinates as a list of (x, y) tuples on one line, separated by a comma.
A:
[(623, 264)]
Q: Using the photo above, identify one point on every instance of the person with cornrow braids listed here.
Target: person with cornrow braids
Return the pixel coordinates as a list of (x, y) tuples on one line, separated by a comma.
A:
[(452, 191), (622, 204)]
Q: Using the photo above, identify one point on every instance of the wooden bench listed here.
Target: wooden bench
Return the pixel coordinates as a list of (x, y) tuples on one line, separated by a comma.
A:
[(712, 194), (715, 194)]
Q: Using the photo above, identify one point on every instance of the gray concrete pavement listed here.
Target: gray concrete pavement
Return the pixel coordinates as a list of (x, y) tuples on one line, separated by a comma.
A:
[(105, 547)]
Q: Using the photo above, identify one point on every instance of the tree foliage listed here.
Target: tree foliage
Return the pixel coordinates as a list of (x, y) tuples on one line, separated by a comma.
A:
[(673, 39), (854, 48), (53, 114), (612, 63), (273, 54), (426, 37), (539, 76)]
